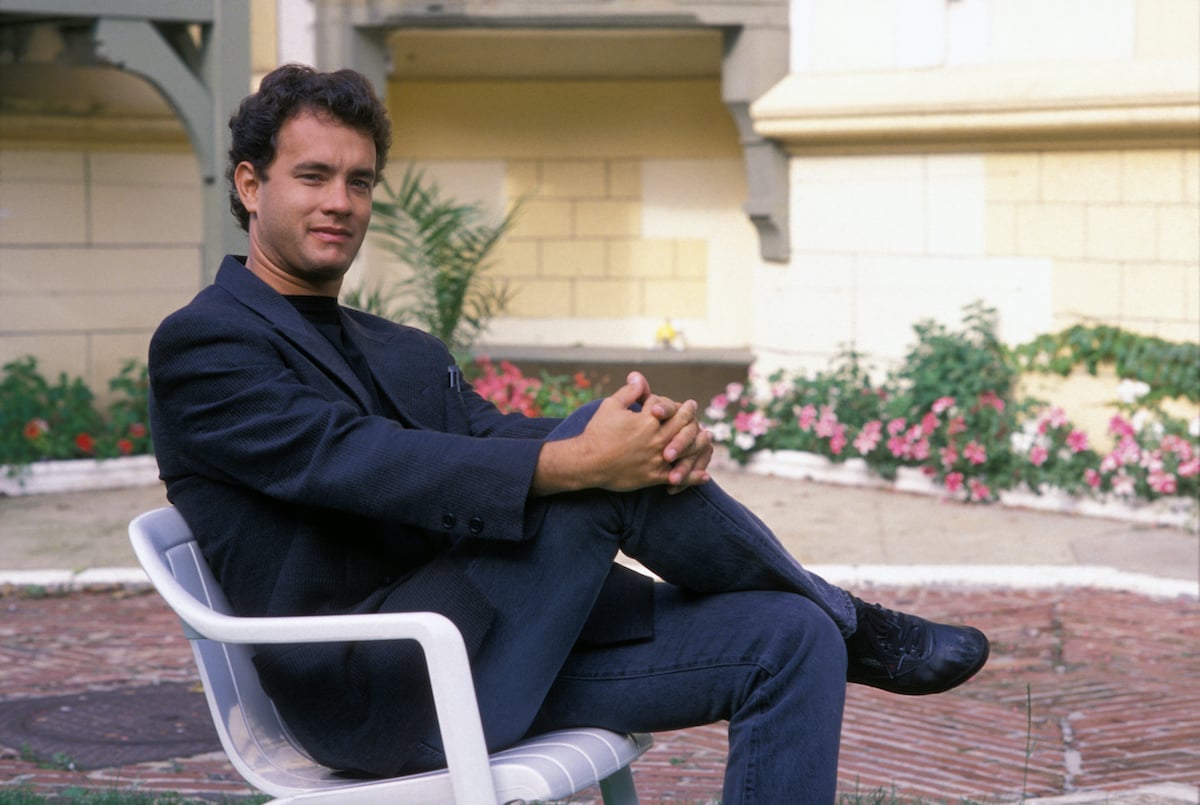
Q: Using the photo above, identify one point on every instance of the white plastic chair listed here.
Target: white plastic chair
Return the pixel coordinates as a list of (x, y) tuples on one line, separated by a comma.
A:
[(551, 766)]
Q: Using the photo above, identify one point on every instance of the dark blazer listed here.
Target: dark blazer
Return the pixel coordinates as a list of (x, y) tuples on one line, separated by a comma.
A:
[(309, 497)]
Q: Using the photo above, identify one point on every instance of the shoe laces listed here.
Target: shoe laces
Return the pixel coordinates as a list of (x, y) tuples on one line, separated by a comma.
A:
[(892, 637)]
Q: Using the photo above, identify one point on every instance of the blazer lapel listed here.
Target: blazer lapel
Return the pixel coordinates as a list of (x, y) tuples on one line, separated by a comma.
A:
[(255, 294)]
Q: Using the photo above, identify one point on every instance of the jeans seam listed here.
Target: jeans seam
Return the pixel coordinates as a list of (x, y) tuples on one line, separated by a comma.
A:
[(673, 669)]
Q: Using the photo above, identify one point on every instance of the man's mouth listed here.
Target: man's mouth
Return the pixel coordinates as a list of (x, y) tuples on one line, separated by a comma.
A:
[(331, 234)]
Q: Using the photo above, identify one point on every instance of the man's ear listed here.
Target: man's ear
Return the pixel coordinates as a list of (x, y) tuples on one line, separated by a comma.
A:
[(247, 181)]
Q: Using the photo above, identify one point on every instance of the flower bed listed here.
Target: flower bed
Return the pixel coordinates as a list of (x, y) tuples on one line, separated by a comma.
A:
[(947, 422), (1174, 511)]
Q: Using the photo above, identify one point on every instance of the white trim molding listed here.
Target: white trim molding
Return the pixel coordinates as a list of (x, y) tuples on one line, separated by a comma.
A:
[(1016, 107)]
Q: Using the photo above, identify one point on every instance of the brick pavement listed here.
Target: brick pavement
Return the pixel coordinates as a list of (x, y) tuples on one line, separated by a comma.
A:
[(1113, 679)]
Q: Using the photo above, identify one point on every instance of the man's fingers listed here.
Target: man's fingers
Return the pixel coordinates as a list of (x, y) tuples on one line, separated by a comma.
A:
[(628, 394), (684, 430)]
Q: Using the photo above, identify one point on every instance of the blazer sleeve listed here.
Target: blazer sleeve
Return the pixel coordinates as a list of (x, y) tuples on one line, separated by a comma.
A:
[(235, 401)]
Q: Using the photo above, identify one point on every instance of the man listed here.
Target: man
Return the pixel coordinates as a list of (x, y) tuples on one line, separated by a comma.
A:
[(329, 462)]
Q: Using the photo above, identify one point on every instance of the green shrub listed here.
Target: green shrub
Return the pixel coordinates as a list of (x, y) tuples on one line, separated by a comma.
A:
[(42, 420)]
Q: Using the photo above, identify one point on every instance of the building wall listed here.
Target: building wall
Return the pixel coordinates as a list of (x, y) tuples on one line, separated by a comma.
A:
[(1051, 233), (101, 224), (629, 192), (96, 247)]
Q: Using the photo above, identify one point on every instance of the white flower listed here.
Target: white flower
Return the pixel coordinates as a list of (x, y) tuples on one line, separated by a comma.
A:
[(1130, 391), (744, 441), (1022, 440), (1194, 427), (715, 412), (721, 432)]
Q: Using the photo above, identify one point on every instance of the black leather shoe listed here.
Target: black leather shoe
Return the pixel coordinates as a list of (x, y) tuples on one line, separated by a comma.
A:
[(905, 654)]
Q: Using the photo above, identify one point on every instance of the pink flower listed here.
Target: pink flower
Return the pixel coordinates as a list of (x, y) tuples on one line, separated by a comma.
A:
[(868, 437), (1127, 450), (827, 424), (1119, 426), (929, 424), (896, 426), (899, 446), (992, 399), (979, 490), (956, 426), (949, 455), (941, 404), (1175, 444), (753, 423), (1038, 455), (1189, 468), (975, 452), (734, 391), (1055, 417), (805, 417), (1162, 482), (1092, 478), (837, 442), (1122, 484), (1077, 441), (954, 481), (920, 449)]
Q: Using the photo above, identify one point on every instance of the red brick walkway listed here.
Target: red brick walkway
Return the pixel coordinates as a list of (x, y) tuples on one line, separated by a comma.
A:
[(1113, 678)]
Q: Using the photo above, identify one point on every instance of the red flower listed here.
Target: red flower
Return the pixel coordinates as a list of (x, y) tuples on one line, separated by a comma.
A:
[(137, 430), (581, 381), (35, 428), (85, 443), (124, 446)]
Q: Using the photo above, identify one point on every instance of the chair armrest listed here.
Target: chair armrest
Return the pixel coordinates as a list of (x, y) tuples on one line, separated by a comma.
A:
[(445, 652)]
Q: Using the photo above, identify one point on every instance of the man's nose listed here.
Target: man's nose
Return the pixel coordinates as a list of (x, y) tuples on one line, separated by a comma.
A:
[(337, 198)]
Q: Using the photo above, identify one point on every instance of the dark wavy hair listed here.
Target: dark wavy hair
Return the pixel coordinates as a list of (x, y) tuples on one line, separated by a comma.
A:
[(286, 92)]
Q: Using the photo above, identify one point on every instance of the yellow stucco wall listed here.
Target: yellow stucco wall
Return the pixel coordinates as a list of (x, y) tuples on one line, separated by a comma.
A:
[(573, 152), (1122, 229)]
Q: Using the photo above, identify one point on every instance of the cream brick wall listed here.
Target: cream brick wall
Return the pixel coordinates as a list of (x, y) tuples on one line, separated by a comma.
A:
[(96, 247), (883, 242), (1122, 229), (595, 232), (578, 249)]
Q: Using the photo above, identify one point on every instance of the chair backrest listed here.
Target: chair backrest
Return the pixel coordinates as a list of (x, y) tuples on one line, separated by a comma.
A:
[(251, 731)]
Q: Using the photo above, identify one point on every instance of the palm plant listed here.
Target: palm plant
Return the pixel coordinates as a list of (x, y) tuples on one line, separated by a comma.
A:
[(446, 248)]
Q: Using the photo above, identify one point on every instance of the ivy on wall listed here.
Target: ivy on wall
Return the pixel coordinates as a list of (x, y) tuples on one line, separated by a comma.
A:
[(1170, 369)]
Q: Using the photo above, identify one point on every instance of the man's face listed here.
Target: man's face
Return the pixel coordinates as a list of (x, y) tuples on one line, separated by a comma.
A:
[(310, 210)]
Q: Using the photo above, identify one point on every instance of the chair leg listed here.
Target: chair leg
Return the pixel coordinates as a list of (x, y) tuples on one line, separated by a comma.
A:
[(618, 788)]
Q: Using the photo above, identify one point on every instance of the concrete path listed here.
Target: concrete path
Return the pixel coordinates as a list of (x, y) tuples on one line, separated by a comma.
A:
[(1094, 623)]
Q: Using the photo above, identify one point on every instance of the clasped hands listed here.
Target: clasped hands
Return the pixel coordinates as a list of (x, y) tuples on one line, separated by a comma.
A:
[(635, 439)]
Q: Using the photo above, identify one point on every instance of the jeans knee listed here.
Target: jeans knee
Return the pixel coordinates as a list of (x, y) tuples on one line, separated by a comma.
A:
[(811, 637)]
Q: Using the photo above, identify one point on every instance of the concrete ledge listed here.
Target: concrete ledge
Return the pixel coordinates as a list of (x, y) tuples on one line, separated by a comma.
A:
[(998, 107), (1161, 794)]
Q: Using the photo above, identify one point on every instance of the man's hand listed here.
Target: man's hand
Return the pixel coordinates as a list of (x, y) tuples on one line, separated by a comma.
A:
[(622, 449), (690, 449)]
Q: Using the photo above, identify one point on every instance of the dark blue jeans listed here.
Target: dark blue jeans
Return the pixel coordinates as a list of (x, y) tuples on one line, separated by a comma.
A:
[(742, 632)]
